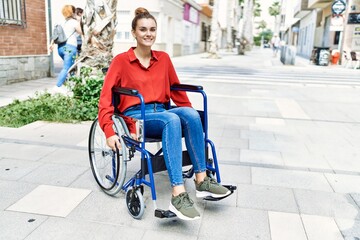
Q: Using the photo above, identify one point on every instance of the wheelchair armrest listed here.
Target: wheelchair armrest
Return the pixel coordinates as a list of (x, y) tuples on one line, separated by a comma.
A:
[(125, 91), (186, 87)]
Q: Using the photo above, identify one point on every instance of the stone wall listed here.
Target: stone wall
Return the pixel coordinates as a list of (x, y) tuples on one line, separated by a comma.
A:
[(23, 68)]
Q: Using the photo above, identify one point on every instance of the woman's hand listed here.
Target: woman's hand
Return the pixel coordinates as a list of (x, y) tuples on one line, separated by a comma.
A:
[(51, 47), (113, 141)]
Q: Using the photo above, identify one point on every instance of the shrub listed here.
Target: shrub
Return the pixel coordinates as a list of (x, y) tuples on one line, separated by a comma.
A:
[(82, 106)]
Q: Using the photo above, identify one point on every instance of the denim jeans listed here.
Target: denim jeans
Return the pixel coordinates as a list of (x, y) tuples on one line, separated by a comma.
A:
[(68, 53), (172, 124)]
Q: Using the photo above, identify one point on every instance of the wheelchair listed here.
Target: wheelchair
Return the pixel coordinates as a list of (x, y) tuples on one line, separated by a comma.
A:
[(110, 167)]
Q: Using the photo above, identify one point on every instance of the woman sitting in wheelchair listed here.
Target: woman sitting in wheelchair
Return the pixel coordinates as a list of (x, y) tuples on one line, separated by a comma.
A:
[(152, 73)]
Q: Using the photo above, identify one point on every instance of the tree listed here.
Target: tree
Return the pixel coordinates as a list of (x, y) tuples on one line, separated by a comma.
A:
[(99, 28), (250, 9), (262, 26), (246, 34), (275, 10), (214, 34)]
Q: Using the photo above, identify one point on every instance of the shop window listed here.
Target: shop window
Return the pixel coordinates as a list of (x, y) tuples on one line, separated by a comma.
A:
[(12, 12)]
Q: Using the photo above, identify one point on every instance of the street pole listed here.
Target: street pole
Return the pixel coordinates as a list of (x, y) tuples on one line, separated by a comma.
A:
[(51, 57)]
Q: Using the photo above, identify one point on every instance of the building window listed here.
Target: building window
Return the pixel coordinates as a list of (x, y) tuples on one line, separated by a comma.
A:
[(118, 35), (12, 12), (127, 35)]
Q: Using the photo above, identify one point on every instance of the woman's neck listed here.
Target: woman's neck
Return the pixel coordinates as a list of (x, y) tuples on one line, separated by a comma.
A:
[(142, 52), (144, 55)]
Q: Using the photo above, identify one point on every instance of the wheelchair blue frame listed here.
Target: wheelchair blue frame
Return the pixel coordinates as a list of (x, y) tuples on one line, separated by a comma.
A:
[(150, 163), (139, 178)]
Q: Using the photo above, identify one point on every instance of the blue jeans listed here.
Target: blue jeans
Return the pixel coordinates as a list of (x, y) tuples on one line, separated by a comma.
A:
[(171, 125), (68, 53)]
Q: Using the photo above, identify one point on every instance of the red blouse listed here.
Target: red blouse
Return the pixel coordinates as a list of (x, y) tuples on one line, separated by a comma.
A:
[(153, 83)]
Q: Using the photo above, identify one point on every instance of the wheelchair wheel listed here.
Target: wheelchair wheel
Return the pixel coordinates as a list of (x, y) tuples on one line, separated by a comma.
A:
[(108, 167), (135, 203)]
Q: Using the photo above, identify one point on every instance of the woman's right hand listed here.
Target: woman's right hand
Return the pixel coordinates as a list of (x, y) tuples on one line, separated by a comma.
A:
[(113, 141)]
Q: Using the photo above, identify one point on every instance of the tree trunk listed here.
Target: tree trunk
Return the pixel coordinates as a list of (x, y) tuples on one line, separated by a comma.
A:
[(99, 28), (214, 34), (246, 36)]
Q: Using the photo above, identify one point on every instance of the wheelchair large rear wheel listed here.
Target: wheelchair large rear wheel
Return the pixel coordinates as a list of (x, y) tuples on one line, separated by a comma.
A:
[(108, 167)]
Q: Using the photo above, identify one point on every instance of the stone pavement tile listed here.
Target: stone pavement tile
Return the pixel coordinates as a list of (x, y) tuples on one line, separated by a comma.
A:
[(232, 174), (349, 228), (15, 226), (290, 179), (327, 204), (318, 227), (7, 131), (229, 155), (67, 156), (233, 142), (159, 234), (20, 151), (86, 181), (344, 159), (50, 200), (256, 134), (55, 174), (13, 169), (266, 198), (54, 133), (63, 228), (295, 145), (102, 208), (285, 226), (306, 160), (13, 191), (289, 108), (234, 223), (342, 183), (261, 157)]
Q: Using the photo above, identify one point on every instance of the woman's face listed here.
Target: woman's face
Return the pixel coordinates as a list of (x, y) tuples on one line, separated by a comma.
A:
[(145, 32)]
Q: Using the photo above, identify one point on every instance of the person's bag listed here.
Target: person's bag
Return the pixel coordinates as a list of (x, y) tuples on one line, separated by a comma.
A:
[(58, 34)]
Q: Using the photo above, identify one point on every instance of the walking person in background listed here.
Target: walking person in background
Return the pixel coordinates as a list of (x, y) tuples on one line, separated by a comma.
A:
[(67, 50), (275, 42), (78, 15), (152, 73)]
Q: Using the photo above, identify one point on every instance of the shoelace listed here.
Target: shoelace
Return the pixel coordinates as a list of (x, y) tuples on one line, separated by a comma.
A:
[(208, 181), (185, 200)]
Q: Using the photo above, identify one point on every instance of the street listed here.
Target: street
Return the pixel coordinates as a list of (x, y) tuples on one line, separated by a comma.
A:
[(287, 136)]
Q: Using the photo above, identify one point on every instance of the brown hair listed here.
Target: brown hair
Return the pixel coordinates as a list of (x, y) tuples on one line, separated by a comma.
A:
[(68, 11), (141, 13)]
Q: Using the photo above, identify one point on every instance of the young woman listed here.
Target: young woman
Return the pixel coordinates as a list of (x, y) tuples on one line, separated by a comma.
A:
[(152, 73), (68, 50)]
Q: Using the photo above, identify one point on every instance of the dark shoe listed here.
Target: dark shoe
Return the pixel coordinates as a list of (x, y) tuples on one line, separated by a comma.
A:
[(183, 207), (210, 187)]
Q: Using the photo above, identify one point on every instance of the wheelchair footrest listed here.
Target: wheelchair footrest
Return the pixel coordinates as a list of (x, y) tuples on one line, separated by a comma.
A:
[(230, 187), (164, 213)]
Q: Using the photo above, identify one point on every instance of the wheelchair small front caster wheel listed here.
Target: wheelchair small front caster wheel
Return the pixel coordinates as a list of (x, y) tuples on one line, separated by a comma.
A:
[(135, 203)]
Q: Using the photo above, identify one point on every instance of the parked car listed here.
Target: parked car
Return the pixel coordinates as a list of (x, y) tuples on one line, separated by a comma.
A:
[(266, 45)]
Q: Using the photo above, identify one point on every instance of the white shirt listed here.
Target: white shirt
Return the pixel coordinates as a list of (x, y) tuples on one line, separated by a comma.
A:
[(69, 27)]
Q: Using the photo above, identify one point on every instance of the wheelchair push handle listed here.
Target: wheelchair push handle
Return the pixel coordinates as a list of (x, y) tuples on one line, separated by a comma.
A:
[(186, 87), (125, 91)]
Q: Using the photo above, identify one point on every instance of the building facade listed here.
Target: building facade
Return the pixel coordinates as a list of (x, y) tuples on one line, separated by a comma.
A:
[(24, 41), (333, 24)]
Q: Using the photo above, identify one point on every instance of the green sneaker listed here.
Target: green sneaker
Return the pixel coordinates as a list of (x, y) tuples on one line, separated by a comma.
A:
[(210, 187), (183, 207)]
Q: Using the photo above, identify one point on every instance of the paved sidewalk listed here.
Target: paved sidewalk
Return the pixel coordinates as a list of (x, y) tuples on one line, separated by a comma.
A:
[(291, 149)]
